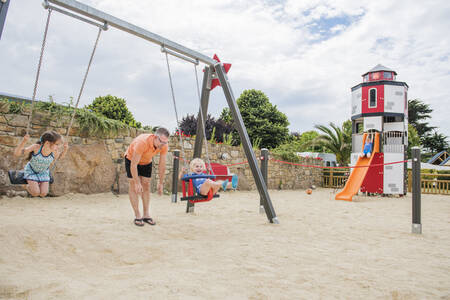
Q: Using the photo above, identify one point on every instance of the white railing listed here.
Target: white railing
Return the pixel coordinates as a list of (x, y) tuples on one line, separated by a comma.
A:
[(393, 142)]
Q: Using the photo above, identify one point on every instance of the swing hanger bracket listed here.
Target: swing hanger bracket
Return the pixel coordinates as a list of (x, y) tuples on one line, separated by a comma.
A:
[(47, 5), (181, 56)]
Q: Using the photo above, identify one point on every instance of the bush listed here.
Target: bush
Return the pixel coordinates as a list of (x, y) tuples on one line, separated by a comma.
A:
[(114, 108), (219, 128), (91, 122), (96, 124), (286, 152)]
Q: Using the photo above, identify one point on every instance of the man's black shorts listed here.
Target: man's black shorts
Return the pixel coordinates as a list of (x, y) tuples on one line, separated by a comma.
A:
[(143, 170)]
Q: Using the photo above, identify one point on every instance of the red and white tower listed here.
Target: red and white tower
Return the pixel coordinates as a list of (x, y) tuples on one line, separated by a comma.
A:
[(379, 104)]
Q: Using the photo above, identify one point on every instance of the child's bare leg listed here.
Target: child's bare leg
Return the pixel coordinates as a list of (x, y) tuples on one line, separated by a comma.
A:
[(33, 188), (207, 185), (43, 189), (229, 185), (368, 154), (216, 187)]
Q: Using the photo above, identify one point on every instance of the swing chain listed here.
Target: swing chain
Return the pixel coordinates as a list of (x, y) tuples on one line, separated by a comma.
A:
[(176, 111), (203, 122), (100, 29), (38, 70)]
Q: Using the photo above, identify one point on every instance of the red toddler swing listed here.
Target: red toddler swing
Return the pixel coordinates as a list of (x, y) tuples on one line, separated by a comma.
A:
[(190, 194)]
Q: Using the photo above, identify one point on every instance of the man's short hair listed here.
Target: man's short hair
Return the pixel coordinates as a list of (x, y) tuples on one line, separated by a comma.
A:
[(162, 131)]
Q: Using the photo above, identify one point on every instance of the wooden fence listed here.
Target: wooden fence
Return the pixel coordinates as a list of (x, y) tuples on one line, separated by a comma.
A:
[(335, 178), (431, 183)]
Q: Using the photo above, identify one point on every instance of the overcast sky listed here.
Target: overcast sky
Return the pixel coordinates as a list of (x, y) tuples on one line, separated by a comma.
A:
[(305, 55)]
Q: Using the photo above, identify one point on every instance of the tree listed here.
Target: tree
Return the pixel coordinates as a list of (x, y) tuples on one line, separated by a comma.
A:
[(347, 132), (188, 126), (417, 113), (413, 138), (221, 129), (114, 108), (307, 142), (335, 140), (436, 142), (264, 122)]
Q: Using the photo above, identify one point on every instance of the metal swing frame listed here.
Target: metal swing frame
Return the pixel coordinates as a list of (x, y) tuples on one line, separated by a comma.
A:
[(212, 69)]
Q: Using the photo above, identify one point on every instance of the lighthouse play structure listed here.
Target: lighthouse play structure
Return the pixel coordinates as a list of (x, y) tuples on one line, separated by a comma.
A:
[(380, 111)]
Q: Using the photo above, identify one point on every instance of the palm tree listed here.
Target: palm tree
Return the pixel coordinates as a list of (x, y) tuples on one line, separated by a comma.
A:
[(337, 141)]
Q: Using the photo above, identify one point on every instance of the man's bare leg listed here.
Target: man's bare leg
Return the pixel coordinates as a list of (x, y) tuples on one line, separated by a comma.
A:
[(145, 182), (134, 199)]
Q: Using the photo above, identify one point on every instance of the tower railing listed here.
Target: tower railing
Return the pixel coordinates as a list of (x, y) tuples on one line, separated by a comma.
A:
[(393, 142)]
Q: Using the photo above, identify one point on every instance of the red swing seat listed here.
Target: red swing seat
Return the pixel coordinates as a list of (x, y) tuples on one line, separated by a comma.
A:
[(190, 194)]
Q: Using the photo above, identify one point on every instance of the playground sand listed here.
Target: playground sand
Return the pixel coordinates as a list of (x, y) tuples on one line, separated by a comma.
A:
[(86, 247)]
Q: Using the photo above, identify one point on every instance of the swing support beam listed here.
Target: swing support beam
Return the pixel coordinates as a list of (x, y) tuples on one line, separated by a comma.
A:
[(3, 11), (112, 21), (212, 67)]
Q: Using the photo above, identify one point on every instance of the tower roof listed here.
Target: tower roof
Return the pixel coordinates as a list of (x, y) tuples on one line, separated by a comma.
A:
[(379, 67)]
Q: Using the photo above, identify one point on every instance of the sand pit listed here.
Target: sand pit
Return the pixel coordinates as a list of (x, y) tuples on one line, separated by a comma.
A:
[(86, 247)]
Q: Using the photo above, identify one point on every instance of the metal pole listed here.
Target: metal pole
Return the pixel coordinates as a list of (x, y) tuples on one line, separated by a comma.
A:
[(206, 89), (416, 191), (204, 107), (264, 170), (176, 168), (103, 26), (3, 10), (246, 144), (188, 59), (112, 21)]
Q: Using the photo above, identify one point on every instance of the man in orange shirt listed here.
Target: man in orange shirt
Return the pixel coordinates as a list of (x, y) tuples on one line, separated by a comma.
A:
[(138, 164)]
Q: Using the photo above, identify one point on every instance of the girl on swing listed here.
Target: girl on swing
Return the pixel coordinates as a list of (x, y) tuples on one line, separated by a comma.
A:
[(40, 156), (203, 185)]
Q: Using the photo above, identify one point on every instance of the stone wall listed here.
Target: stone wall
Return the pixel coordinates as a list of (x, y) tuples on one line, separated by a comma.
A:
[(95, 164)]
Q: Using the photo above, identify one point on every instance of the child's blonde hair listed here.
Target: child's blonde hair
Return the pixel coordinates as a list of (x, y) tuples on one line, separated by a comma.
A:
[(197, 161)]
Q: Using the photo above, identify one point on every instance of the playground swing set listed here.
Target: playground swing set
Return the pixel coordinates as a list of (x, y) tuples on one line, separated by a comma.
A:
[(215, 74), (17, 176)]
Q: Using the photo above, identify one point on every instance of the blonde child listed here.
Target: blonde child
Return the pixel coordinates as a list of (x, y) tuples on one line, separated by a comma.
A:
[(368, 146), (203, 185), (40, 156)]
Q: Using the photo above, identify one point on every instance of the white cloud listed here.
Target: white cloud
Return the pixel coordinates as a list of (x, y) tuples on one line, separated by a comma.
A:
[(305, 69)]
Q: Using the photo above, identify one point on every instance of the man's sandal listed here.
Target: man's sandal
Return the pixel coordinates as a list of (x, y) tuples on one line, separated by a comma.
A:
[(138, 222), (149, 221)]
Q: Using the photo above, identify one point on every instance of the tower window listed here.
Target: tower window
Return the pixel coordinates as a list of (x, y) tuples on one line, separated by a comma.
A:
[(372, 98), (387, 75)]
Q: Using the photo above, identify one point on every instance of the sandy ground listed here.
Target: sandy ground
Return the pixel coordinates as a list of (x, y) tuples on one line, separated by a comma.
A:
[(86, 247)]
